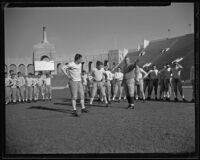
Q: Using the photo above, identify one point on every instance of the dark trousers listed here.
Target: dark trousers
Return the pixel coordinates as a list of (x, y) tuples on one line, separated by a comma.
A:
[(146, 84), (153, 84)]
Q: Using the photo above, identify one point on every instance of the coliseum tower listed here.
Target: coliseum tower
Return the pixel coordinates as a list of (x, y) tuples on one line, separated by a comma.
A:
[(45, 51)]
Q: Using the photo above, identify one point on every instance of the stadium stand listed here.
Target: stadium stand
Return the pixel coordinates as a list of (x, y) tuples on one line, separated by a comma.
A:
[(164, 51)]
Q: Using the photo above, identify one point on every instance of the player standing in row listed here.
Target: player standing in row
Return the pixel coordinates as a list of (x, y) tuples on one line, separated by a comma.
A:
[(129, 81), (139, 81), (118, 77), (176, 80), (84, 77), (107, 83), (35, 88), (13, 85), (41, 87), (20, 87), (29, 88), (48, 78), (73, 72), (98, 78), (161, 79), (8, 82), (153, 83)]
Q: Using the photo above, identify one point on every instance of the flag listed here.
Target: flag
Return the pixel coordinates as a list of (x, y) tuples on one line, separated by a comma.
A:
[(178, 60), (147, 64)]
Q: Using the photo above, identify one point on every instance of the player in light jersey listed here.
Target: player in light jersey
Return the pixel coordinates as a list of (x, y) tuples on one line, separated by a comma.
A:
[(48, 86), (153, 75), (118, 77), (20, 87), (108, 84), (192, 75), (167, 83), (90, 84), (14, 88), (161, 78), (139, 81), (176, 80), (41, 87), (8, 83), (35, 88), (29, 88), (97, 74), (73, 72), (84, 77)]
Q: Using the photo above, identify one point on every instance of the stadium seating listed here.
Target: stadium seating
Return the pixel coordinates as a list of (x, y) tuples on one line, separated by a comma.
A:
[(164, 51)]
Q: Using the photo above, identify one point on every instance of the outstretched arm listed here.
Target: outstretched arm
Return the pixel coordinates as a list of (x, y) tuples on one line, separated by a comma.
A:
[(145, 73)]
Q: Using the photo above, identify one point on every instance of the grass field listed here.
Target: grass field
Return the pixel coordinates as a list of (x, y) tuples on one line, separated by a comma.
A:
[(49, 128)]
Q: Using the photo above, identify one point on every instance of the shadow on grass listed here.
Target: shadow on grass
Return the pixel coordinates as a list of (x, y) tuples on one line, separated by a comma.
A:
[(50, 109), (60, 103), (179, 101), (64, 99)]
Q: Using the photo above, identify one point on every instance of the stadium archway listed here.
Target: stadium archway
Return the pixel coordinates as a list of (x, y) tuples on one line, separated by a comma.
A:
[(22, 69), (30, 69), (44, 58), (13, 67)]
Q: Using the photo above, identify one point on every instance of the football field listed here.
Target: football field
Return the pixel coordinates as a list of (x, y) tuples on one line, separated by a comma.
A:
[(48, 127)]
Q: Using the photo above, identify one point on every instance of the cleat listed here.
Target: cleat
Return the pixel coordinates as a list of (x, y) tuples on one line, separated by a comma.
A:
[(107, 105), (176, 99), (132, 107), (192, 100), (129, 107), (148, 98), (84, 110), (74, 113), (184, 100), (109, 102), (119, 101), (143, 101)]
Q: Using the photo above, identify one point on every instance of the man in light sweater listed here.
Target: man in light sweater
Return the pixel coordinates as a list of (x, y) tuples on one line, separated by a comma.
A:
[(98, 78), (73, 72)]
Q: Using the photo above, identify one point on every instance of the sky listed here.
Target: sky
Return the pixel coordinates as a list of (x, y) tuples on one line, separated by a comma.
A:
[(92, 30)]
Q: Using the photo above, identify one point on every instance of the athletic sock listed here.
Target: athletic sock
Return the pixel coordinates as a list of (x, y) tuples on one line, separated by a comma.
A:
[(82, 104), (74, 104)]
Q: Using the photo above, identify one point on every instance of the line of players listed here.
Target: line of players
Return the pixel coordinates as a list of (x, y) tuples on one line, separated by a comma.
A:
[(166, 80), (20, 88)]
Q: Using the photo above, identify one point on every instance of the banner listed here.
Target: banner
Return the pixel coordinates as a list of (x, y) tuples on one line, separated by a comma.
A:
[(44, 66)]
